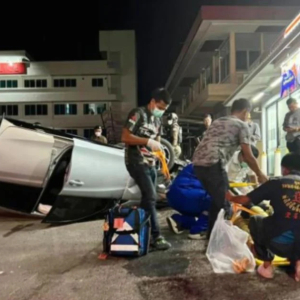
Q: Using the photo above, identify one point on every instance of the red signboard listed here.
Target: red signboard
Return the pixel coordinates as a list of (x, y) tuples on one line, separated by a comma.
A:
[(12, 68)]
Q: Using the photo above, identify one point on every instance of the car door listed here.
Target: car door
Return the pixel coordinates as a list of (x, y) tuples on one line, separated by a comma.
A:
[(25, 157), (96, 177)]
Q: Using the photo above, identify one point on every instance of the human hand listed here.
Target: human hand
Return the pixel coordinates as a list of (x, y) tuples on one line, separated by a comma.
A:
[(154, 145), (262, 178)]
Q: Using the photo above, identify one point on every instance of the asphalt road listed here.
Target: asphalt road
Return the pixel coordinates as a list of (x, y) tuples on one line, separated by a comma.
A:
[(41, 262)]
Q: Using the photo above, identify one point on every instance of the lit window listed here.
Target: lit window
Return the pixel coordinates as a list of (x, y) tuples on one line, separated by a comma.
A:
[(94, 108)]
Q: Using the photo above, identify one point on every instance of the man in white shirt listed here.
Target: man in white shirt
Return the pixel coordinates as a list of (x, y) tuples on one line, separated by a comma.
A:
[(238, 170), (254, 131)]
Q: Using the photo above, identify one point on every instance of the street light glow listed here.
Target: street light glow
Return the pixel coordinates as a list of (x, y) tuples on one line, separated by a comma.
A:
[(276, 82), (258, 96)]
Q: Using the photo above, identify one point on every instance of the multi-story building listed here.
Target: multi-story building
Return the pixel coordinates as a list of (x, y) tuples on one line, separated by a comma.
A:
[(270, 83), (72, 95), (225, 46)]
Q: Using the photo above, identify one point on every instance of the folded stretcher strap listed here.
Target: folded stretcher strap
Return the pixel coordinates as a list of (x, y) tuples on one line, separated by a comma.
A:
[(164, 166)]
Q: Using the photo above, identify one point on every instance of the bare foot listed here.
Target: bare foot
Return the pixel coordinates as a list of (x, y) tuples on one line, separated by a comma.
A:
[(297, 271)]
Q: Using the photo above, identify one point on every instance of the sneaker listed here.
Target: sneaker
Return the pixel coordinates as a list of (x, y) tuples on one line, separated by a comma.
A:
[(266, 272), (174, 226), (161, 244), (198, 236)]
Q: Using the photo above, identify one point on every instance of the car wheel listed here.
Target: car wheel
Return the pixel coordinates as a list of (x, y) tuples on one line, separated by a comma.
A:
[(169, 153)]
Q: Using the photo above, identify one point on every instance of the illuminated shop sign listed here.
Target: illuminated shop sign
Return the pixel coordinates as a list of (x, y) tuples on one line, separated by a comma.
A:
[(290, 74), (12, 68), (293, 25)]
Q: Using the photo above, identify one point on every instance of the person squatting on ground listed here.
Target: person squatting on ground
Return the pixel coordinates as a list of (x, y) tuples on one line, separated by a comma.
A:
[(221, 141), (278, 234), (188, 197), (141, 134)]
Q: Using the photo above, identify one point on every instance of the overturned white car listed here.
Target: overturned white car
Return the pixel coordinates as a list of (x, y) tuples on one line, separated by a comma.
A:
[(76, 177)]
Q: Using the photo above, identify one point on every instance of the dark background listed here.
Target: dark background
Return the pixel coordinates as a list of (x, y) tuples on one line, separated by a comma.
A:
[(65, 30)]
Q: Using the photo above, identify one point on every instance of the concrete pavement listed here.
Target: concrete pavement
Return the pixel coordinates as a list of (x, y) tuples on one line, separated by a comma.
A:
[(41, 262)]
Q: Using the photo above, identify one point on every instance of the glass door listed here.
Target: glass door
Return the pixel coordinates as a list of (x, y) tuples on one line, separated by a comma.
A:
[(282, 111), (271, 136)]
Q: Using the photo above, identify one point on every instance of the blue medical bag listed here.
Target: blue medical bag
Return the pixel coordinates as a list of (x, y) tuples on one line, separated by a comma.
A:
[(126, 232)]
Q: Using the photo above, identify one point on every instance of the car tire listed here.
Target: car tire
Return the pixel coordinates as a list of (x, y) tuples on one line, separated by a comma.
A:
[(169, 152)]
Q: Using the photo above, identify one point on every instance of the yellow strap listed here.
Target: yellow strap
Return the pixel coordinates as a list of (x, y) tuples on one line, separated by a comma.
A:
[(236, 207), (164, 167), (241, 184)]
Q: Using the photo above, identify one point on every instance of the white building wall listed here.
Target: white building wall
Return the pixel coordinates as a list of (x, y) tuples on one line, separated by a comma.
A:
[(117, 88)]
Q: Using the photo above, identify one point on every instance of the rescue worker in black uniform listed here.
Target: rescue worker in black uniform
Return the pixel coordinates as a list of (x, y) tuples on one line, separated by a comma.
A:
[(278, 234), (141, 135)]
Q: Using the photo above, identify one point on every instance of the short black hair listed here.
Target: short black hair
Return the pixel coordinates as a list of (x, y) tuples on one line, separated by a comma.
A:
[(207, 116), (97, 127), (291, 101), (240, 105), (161, 94), (291, 161)]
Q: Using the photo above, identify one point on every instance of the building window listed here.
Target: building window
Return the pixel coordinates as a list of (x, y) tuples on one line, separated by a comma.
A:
[(8, 84), (32, 83), (9, 110), (97, 82), (65, 109), (94, 108), (41, 83), (88, 133), (36, 110), (64, 83), (70, 131)]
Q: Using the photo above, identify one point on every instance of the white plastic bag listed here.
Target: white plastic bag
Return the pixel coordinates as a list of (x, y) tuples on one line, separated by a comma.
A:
[(227, 246)]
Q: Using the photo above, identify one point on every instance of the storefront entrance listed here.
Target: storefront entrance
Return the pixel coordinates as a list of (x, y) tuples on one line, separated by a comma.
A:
[(275, 114)]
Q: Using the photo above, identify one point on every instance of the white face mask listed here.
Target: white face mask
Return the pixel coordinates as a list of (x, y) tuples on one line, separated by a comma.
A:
[(170, 122), (97, 133)]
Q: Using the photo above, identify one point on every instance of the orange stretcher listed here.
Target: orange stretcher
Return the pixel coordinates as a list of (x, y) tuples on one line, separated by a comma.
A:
[(278, 261)]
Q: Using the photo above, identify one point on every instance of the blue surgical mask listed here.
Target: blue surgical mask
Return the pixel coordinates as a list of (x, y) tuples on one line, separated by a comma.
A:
[(157, 113)]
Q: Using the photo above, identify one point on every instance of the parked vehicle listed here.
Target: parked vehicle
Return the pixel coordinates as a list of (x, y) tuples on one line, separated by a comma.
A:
[(77, 177)]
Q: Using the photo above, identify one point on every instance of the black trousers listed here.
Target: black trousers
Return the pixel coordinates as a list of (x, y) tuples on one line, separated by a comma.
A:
[(215, 182), (294, 146), (267, 248), (146, 177)]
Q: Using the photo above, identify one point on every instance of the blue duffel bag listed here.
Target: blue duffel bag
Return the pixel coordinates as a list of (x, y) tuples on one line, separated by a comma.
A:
[(126, 232)]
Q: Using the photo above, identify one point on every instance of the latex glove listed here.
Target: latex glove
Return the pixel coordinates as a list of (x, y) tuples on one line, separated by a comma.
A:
[(154, 145)]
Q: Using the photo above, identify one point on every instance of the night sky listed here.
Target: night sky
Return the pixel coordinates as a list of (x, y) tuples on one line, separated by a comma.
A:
[(69, 31)]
